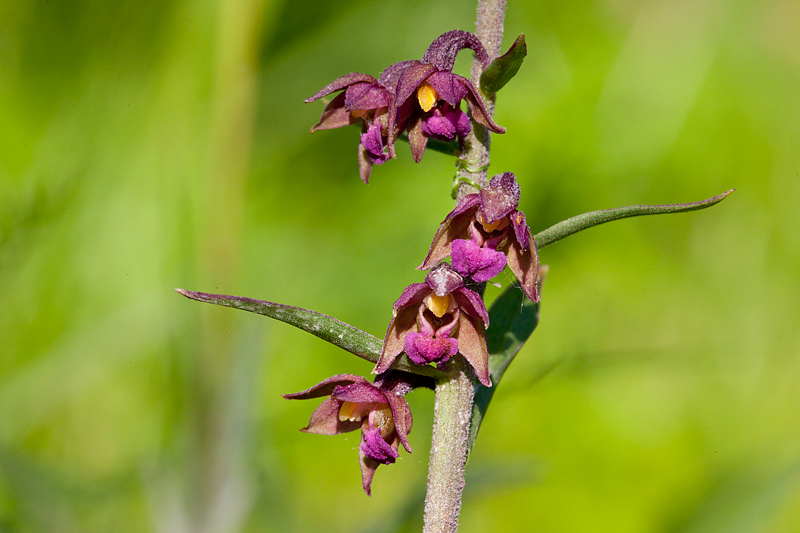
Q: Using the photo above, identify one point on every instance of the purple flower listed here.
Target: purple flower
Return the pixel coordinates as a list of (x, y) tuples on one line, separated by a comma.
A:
[(435, 320), (427, 99), (363, 100), (486, 231), (378, 408)]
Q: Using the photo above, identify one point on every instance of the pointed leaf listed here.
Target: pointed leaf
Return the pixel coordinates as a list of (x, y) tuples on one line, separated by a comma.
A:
[(501, 70), (578, 223), (325, 327), (513, 317)]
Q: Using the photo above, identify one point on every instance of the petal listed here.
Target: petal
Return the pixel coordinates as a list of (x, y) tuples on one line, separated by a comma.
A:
[(471, 303), (374, 447), (412, 295), (480, 263), (451, 87), (372, 141), (521, 230), (454, 226), (443, 279), (359, 393), (410, 80), (325, 420), (402, 418), (472, 345), (364, 163), (391, 74), (340, 83), (325, 388), (525, 266), (417, 139), (399, 327), (478, 110), (423, 349), (443, 50), (334, 116), (368, 467), (365, 96), (500, 198)]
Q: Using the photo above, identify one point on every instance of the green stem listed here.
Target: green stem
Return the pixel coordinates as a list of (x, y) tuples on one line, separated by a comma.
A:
[(573, 225), (449, 447), (455, 395)]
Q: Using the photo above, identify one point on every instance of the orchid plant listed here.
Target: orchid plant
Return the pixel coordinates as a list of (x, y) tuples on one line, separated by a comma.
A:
[(441, 335)]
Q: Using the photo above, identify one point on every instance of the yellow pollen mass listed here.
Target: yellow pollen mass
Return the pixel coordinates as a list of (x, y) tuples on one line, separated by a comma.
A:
[(427, 96), (488, 228), (438, 304), (491, 227)]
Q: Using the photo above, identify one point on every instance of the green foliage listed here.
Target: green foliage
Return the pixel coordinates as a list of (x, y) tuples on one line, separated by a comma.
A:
[(501, 70), (153, 145)]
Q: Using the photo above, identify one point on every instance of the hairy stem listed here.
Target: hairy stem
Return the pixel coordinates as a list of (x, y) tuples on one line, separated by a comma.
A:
[(455, 395), (473, 163), (451, 421)]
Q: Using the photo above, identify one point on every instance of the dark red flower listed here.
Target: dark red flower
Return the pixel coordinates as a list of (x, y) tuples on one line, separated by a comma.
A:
[(435, 320), (486, 231), (378, 408)]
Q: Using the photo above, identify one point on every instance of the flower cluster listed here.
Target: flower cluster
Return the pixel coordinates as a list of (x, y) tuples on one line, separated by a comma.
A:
[(443, 317), (420, 97)]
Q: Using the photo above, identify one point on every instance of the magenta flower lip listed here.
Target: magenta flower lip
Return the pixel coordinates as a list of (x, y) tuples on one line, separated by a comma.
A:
[(485, 232), (435, 320)]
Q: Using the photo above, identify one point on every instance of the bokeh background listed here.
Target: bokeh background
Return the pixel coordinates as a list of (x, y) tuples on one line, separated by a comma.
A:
[(150, 145)]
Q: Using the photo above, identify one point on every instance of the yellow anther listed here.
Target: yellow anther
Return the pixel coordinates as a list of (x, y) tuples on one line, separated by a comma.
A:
[(427, 96), (488, 228), (352, 411), (438, 305)]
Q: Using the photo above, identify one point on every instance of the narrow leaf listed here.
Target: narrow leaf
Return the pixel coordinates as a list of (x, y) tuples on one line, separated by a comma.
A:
[(578, 223), (501, 70), (325, 327), (512, 319)]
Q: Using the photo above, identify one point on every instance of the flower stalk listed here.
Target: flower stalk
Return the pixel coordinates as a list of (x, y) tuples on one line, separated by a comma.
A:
[(449, 448), (455, 396)]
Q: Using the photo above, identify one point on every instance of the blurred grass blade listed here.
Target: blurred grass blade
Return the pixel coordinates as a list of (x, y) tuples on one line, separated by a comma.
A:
[(512, 319), (325, 327), (501, 70), (578, 223)]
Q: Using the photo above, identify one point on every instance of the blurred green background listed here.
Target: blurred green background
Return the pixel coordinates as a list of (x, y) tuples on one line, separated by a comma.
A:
[(151, 145)]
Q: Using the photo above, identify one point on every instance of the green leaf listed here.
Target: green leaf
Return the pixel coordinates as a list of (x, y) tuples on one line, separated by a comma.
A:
[(578, 223), (512, 319), (501, 70), (325, 327), (444, 147)]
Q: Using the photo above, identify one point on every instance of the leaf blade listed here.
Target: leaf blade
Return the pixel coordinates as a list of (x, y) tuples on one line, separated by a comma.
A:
[(326, 327), (573, 225)]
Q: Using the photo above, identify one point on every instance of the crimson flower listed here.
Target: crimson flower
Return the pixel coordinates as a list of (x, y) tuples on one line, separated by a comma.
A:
[(485, 232), (378, 408), (363, 100), (435, 320), (427, 99)]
